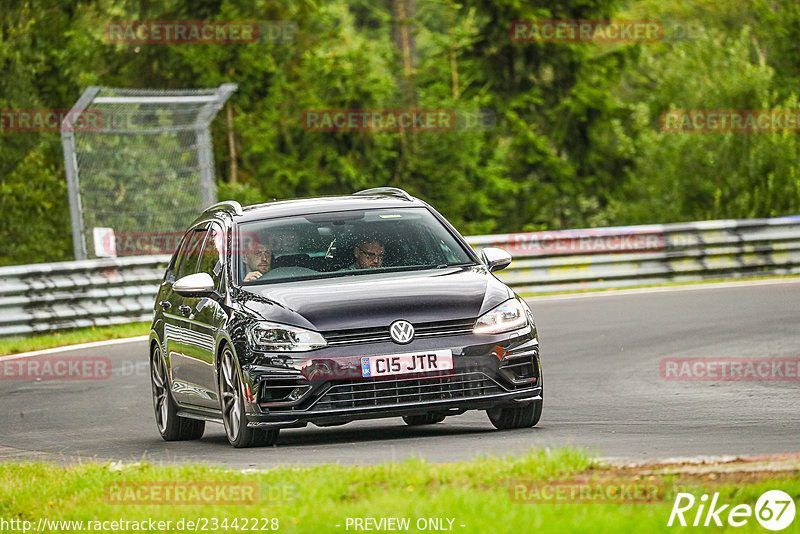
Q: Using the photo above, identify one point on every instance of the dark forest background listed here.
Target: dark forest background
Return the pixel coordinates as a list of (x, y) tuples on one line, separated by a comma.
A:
[(575, 141)]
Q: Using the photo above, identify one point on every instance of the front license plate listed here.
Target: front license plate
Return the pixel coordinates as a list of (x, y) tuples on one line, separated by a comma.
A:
[(407, 363)]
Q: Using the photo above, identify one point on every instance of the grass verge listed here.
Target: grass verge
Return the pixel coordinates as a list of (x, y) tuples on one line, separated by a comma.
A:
[(478, 496), (60, 338)]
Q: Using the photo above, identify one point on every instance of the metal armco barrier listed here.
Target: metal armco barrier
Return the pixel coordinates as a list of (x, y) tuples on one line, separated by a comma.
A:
[(50, 296), (43, 297), (601, 258)]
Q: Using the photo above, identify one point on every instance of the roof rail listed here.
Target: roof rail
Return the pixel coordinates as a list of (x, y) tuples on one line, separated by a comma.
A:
[(226, 204), (393, 191)]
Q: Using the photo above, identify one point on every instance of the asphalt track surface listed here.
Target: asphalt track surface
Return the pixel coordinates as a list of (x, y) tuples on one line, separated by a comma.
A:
[(603, 391)]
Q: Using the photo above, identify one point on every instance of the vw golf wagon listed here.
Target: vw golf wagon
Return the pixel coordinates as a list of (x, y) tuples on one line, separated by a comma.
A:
[(331, 310)]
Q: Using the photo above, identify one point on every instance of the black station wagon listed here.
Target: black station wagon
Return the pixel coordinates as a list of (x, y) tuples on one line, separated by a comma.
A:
[(329, 310)]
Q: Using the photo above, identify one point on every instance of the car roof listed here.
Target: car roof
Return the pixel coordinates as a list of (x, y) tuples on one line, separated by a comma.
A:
[(307, 206)]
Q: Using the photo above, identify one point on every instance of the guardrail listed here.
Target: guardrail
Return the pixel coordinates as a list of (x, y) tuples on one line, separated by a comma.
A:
[(71, 294), (602, 258), (43, 297)]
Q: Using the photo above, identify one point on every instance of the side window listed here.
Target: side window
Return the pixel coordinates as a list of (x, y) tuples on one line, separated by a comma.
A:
[(170, 274), (190, 253), (211, 261)]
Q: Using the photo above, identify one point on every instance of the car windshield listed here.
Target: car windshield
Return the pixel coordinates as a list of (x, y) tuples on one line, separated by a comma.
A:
[(345, 243)]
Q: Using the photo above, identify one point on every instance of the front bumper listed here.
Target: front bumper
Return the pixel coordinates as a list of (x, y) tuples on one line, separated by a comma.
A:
[(326, 387)]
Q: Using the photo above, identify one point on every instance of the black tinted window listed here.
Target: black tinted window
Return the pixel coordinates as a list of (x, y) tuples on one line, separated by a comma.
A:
[(211, 262), (190, 253)]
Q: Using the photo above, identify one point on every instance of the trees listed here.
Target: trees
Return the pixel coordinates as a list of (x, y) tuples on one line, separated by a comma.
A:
[(574, 138), (697, 176)]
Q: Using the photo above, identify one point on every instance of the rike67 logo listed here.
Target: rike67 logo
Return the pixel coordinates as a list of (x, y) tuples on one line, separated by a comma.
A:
[(774, 510)]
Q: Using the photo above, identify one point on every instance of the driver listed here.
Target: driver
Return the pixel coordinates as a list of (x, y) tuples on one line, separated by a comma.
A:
[(368, 254)]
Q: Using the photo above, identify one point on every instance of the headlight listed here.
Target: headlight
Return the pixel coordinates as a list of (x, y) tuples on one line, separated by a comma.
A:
[(508, 316), (528, 312), (281, 337)]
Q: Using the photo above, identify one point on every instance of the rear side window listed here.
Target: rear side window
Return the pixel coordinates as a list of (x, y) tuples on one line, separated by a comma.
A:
[(190, 253)]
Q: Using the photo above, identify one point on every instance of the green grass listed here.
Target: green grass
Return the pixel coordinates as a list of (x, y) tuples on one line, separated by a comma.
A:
[(317, 498), (71, 337)]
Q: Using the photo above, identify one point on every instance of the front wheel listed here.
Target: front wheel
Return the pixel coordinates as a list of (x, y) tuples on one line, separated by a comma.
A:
[(524, 416), (170, 426), (232, 404)]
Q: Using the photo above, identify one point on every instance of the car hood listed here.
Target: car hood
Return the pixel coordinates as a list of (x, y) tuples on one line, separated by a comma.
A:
[(373, 300)]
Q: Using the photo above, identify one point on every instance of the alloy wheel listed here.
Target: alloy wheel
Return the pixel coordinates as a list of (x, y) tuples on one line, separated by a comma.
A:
[(231, 400), (158, 376)]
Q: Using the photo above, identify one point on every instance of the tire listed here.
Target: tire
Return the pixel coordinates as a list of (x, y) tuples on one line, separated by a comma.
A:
[(170, 426), (525, 416), (232, 405), (425, 419)]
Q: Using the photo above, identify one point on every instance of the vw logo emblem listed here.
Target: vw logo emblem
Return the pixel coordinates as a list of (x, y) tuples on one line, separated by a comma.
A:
[(402, 332)]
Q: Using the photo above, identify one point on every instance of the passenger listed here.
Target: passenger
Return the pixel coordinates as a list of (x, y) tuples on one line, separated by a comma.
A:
[(259, 262)]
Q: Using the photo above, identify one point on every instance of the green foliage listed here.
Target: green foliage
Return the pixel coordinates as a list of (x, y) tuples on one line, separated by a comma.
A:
[(697, 176), (487, 494), (73, 336), (576, 140)]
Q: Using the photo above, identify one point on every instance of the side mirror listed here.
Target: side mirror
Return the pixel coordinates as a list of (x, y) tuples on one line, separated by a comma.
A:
[(197, 285), (496, 259)]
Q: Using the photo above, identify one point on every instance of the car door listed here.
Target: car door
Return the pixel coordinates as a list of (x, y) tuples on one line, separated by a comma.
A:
[(206, 318), (178, 336)]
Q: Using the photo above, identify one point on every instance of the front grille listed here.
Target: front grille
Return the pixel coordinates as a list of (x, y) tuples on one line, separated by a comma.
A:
[(444, 328), (381, 333), (383, 393)]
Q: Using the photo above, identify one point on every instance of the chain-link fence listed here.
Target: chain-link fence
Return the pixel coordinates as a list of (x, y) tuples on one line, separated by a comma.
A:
[(140, 167)]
